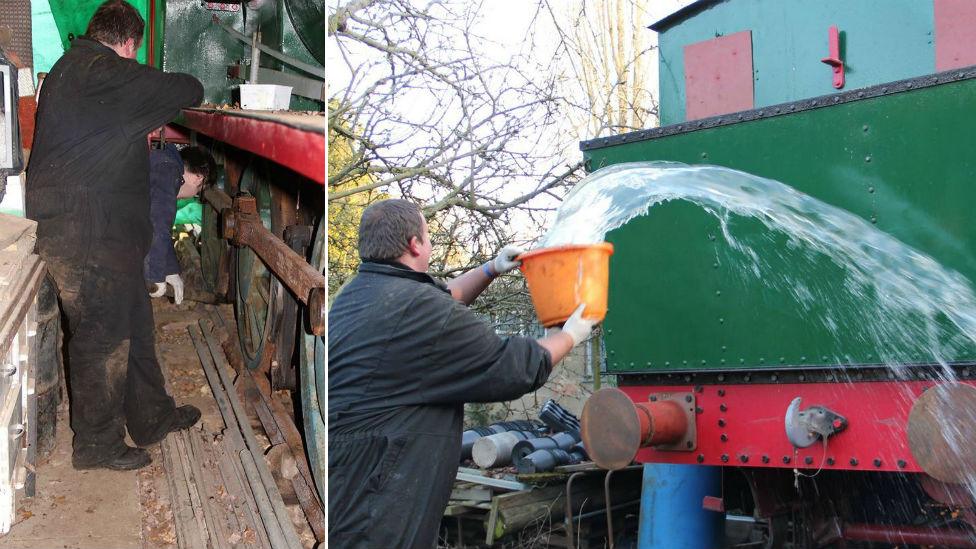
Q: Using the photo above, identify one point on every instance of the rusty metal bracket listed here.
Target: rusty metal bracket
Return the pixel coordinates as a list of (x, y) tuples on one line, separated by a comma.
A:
[(243, 227)]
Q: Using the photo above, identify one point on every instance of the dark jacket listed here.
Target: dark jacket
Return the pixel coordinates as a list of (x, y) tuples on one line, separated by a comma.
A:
[(88, 176), (404, 357), (165, 179)]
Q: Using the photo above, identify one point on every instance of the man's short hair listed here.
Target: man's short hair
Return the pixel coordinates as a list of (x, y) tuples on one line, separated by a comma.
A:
[(198, 160), (114, 22), (386, 228)]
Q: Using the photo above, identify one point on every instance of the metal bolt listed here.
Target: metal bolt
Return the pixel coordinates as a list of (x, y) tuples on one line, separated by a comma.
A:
[(853, 462), (688, 445), (773, 377), (808, 460), (688, 380), (688, 398), (724, 437), (802, 377), (871, 190), (830, 461), (874, 219), (786, 459), (699, 389), (865, 127), (747, 377), (699, 410), (704, 155), (902, 464), (703, 362), (721, 423), (653, 398), (744, 458), (700, 458), (721, 392), (723, 407), (867, 158), (721, 321), (721, 377), (877, 462), (718, 292), (765, 459)]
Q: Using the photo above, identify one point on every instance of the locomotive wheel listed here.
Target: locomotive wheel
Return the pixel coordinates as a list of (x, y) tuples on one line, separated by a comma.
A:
[(312, 378), (258, 295)]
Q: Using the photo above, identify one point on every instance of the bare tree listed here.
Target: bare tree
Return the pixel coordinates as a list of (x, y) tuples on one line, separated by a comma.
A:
[(434, 114), (605, 51)]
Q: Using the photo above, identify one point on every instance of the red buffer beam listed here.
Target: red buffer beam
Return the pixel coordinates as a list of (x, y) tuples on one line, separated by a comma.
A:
[(293, 139)]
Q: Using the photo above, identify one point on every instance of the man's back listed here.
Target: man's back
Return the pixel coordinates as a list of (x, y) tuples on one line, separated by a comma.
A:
[(87, 180)]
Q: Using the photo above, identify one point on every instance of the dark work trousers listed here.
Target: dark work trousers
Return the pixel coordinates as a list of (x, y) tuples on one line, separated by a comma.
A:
[(115, 381), (48, 373)]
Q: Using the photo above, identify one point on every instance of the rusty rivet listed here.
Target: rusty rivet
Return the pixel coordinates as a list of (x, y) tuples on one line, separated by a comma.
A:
[(786, 459), (700, 458), (744, 458), (902, 464), (830, 461), (725, 458), (765, 459), (723, 407), (721, 392), (724, 437), (853, 462), (721, 423), (877, 462), (808, 460), (688, 398)]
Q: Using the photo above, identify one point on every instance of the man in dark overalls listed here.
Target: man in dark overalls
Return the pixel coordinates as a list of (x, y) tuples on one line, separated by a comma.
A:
[(88, 190), (405, 354)]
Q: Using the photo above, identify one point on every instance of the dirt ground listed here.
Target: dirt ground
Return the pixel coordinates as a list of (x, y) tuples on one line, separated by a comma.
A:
[(101, 509)]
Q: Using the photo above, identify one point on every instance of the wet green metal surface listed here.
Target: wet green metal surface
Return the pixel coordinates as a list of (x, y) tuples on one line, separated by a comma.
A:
[(677, 302), (72, 16), (194, 45), (881, 41)]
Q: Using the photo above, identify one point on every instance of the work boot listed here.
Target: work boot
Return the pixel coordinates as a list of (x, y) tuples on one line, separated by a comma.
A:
[(131, 458), (184, 417)]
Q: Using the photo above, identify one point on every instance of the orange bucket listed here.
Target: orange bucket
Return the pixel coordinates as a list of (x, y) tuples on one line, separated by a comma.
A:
[(562, 277)]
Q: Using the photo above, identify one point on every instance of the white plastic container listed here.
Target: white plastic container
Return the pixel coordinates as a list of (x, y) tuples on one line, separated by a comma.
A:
[(265, 97)]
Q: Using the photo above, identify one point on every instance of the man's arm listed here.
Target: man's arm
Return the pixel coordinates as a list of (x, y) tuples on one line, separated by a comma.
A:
[(154, 97), (468, 286), (161, 260)]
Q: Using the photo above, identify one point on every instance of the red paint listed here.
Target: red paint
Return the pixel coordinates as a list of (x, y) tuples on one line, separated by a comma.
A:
[(754, 424), (661, 422), (300, 150), (910, 535), (712, 503), (26, 113), (718, 76), (955, 34), (833, 42)]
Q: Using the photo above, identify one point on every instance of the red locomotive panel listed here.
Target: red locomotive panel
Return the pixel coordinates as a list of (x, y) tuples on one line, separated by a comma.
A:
[(744, 425)]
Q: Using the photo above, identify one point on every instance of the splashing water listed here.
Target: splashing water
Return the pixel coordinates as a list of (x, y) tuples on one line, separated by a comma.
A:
[(901, 294)]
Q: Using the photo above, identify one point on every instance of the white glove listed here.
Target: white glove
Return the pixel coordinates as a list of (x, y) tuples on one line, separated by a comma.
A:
[(505, 260), (577, 327), (176, 281), (173, 280)]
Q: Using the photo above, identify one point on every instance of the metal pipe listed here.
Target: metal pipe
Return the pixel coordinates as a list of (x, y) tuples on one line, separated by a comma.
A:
[(570, 537), (310, 69), (496, 450), (562, 441), (255, 58), (661, 422), (909, 535)]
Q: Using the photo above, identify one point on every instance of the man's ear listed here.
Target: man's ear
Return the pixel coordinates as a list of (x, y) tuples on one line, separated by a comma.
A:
[(413, 246)]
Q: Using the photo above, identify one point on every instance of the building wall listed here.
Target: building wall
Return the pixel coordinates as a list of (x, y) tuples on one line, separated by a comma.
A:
[(881, 41)]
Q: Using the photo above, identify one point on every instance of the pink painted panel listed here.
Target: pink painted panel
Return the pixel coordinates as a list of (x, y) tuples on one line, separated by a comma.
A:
[(955, 34), (718, 76)]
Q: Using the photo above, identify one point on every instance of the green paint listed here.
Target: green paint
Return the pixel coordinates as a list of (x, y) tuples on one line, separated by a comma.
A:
[(44, 37), (72, 16), (881, 41), (675, 299), (193, 44)]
